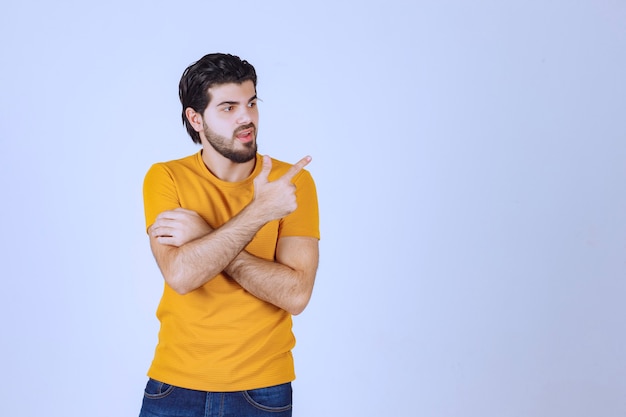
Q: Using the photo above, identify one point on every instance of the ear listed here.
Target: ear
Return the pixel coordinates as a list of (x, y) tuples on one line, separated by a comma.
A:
[(195, 119)]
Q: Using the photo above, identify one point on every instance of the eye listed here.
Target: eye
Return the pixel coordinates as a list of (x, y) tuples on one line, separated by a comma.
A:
[(252, 104), (228, 108)]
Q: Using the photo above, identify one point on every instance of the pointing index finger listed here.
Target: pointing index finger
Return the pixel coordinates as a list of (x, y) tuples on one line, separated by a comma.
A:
[(297, 167)]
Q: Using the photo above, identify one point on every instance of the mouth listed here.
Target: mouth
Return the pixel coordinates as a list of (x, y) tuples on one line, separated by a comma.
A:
[(245, 135)]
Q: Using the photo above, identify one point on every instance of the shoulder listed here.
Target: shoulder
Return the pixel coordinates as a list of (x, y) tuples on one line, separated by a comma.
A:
[(187, 161), (175, 166)]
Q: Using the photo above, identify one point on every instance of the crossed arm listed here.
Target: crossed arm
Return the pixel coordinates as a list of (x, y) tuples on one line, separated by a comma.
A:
[(190, 253)]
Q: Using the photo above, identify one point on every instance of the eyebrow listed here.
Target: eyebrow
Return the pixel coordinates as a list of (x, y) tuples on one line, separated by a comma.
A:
[(232, 103)]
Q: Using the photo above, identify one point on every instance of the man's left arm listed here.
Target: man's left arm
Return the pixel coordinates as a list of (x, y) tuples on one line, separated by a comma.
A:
[(286, 282)]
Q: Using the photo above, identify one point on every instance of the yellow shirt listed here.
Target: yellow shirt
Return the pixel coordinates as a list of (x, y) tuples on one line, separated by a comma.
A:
[(219, 337)]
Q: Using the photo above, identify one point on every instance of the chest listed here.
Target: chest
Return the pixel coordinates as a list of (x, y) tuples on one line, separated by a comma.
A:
[(217, 205)]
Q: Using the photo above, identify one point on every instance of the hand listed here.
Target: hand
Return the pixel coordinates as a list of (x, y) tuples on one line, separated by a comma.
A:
[(276, 199), (179, 226)]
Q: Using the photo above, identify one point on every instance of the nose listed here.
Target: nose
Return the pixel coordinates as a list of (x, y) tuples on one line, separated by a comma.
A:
[(245, 115)]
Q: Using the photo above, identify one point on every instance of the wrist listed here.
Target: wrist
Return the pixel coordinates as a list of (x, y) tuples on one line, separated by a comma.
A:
[(255, 215)]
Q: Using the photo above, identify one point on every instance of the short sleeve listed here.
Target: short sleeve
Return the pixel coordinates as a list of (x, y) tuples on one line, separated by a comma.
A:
[(304, 221), (159, 193)]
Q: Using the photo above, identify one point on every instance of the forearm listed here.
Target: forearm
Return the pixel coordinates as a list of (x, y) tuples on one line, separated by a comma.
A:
[(196, 262), (287, 282), (270, 281)]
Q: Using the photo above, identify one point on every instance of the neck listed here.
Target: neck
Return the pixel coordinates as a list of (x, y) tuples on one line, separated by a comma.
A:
[(225, 169)]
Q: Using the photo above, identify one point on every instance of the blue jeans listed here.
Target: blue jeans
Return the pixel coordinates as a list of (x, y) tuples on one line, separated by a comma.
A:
[(163, 400)]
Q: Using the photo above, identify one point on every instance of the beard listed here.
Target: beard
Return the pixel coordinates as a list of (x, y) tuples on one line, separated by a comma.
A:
[(227, 147)]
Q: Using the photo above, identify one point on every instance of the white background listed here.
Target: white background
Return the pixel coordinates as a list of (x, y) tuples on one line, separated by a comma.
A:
[(470, 164)]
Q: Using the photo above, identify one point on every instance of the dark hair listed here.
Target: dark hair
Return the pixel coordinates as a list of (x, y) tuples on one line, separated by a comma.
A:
[(209, 71)]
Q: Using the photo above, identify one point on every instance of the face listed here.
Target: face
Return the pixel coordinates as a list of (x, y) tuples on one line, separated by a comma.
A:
[(230, 121)]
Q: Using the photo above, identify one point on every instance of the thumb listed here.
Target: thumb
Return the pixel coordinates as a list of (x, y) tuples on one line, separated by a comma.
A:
[(267, 167)]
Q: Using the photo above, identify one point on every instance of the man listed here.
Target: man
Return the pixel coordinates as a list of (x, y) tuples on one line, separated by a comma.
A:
[(235, 235)]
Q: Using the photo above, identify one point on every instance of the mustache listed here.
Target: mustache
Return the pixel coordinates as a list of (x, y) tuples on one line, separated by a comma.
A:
[(241, 128)]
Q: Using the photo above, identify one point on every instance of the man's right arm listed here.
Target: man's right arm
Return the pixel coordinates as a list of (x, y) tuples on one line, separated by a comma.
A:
[(191, 265), (190, 254)]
